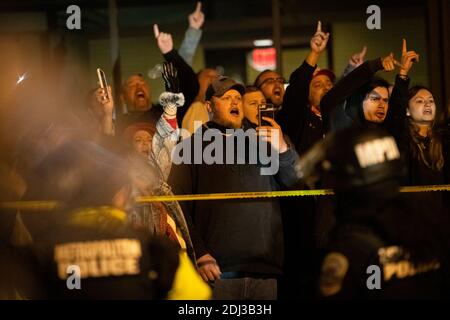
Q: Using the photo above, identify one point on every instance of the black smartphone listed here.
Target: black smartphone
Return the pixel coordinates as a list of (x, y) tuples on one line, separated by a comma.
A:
[(102, 82), (265, 110)]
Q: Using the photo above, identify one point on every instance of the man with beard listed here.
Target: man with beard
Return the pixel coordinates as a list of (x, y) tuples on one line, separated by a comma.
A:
[(239, 243), (272, 85)]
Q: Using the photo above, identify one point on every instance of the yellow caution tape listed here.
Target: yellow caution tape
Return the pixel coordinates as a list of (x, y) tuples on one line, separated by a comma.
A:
[(237, 195), (30, 205), (273, 194), (437, 187), (51, 205)]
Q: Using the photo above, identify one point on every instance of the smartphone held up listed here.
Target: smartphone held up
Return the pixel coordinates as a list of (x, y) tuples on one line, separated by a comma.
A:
[(103, 84), (265, 110)]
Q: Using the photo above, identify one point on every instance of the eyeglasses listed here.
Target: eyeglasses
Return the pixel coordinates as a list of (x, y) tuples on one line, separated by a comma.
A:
[(280, 80), (378, 99)]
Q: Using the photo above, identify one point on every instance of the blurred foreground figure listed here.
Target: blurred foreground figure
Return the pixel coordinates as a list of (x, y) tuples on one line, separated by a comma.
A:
[(379, 248), (87, 250)]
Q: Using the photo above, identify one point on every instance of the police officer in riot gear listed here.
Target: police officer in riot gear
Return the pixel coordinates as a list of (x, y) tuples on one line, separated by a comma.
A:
[(379, 248), (87, 249)]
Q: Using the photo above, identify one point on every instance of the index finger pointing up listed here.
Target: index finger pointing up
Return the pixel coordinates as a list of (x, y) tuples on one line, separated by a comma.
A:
[(319, 26), (156, 30), (364, 51), (199, 6), (404, 46)]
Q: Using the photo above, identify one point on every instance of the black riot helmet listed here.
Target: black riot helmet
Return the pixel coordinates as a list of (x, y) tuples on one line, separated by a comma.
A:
[(361, 157)]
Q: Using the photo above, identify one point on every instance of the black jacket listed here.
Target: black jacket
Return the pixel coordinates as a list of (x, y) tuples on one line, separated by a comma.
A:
[(385, 235), (417, 173), (342, 106), (115, 261), (303, 127), (343, 103)]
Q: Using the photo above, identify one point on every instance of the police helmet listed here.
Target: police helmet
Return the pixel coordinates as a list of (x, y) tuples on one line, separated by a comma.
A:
[(360, 156)]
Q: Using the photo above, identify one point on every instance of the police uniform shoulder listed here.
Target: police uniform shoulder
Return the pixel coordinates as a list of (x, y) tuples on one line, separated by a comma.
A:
[(104, 218)]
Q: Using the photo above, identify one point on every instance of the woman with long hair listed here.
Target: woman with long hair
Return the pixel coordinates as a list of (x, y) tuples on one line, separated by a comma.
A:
[(428, 151), (428, 163)]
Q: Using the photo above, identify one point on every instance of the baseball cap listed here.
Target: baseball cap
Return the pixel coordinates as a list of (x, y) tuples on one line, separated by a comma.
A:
[(325, 72), (221, 85)]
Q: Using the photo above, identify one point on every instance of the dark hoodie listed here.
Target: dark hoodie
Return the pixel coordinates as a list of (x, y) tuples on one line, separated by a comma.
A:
[(242, 235), (341, 107)]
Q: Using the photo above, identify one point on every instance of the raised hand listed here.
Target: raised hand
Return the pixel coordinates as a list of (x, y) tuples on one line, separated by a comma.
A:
[(268, 133), (197, 18), (107, 104), (357, 59), (319, 40), (164, 40), (408, 58), (105, 110), (172, 98), (389, 62), (170, 77)]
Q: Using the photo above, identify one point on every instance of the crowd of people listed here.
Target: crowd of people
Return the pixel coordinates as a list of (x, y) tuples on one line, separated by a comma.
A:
[(356, 133)]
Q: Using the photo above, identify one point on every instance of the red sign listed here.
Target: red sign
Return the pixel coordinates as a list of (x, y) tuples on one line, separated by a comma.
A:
[(262, 59)]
